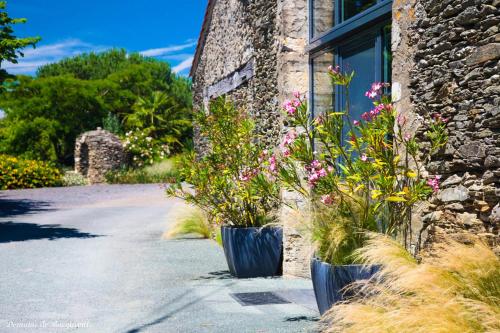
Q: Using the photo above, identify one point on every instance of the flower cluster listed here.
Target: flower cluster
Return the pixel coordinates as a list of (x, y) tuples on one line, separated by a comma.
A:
[(143, 149), (436, 117), (290, 106), (288, 140), (327, 199), (375, 90), (316, 171), (369, 116), (434, 183)]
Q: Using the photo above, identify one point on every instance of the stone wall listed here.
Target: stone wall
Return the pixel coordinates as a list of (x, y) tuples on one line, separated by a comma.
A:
[(96, 153), (447, 61), (292, 67), (241, 32)]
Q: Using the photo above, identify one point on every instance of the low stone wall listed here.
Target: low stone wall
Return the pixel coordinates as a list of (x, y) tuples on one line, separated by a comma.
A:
[(446, 61), (96, 153)]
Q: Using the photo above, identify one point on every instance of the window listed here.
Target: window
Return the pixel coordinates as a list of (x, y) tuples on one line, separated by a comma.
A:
[(354, 34)]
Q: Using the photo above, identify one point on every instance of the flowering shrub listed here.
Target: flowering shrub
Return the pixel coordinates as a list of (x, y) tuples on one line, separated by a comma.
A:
[(234, 182), (72, 178), (362, 174), (17, 173), (143, 149)]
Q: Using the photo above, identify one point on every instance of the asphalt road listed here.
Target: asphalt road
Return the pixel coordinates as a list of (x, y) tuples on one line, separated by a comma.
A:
[(92, 259)]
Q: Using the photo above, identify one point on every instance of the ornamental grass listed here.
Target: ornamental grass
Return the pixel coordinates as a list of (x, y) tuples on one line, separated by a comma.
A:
[(455, 290)]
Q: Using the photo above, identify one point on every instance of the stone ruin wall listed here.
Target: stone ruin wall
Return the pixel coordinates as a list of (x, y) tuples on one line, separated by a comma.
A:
[(447, 61), (96, 153)]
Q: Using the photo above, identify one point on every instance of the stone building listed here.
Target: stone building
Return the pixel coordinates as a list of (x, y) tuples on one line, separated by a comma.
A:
[(441, 56), (96, 153)]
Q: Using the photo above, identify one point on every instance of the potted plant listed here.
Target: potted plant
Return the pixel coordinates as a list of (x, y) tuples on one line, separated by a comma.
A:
[(234, 183), (360, 175)]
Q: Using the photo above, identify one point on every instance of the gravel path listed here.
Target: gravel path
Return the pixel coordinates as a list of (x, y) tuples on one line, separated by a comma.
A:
[(94, 257)]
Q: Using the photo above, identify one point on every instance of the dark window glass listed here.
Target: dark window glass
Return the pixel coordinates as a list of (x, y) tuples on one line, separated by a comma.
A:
[(323, 16), (387, 56), (353, 7)]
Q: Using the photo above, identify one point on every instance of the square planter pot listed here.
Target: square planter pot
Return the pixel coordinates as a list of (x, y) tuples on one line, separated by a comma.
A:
[(329, 281), (253, 252)]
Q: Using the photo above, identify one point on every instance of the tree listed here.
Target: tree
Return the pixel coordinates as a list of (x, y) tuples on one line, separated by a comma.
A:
[(10, 45), (45, 114), (161, 116)]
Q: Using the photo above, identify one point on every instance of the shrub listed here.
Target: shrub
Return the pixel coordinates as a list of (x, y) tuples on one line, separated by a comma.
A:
[(234, 182), (455, 291), (361, 174), (18, 173), (72, 178), (143, 149)]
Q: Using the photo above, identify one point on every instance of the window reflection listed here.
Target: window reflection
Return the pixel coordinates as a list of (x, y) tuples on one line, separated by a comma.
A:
[(323, 98), (353, 7), (323, 14)]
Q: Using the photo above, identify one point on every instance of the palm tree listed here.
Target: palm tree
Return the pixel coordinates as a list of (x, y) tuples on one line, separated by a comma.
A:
[(161, 116)]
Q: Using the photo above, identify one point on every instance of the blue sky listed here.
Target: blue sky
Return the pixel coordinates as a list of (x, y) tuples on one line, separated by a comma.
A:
[(164, 29)]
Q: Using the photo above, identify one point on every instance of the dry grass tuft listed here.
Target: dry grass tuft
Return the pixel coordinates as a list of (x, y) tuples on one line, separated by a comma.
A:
[(189, 220), (456, 291)]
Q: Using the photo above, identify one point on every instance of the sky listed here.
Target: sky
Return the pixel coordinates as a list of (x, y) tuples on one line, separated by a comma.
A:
[(164, 29)]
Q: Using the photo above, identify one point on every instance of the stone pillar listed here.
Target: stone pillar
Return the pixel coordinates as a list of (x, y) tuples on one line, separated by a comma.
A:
[(293, 75)]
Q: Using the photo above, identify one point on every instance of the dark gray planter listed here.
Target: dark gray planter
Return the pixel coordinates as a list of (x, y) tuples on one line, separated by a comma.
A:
[(253, 252), (329, 281)]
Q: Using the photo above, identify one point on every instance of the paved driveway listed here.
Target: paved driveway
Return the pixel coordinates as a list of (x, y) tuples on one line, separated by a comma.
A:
[(92, 259)]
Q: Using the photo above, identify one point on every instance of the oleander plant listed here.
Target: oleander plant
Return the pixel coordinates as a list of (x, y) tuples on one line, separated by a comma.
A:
[(360, 174)]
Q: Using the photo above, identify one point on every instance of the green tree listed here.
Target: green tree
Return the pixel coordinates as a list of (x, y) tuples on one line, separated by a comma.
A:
[(45, 114), (161, 116), (10, 45)]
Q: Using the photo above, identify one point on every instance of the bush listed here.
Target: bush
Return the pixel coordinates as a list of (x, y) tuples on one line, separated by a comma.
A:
[(144, 149), (234, 182), (72, 178), (455, 291), (360, 174), (18, 173), (161, 172)]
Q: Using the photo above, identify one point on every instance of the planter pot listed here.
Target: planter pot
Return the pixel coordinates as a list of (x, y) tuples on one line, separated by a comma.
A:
[(329, 281), (253, 252)]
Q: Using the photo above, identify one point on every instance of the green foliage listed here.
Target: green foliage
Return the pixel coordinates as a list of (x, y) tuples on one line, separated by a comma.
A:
[(162, 118), (72, 178), (44, 115), (362, 175), (144, 149), (233, 183), (161, 172), (10, 45), (112, 124), (18, 173), (456, 290)]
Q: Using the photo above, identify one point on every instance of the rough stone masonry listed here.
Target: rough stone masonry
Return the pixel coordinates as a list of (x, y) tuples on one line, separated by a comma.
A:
[(447, 62)]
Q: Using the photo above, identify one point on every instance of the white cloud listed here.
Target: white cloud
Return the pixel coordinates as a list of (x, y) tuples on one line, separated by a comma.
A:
[(186, 64), (167, 50), (42, 55)]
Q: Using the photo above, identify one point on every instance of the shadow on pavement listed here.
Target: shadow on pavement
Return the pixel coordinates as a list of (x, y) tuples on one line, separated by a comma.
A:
[(218, 275), (19, 232), (302, 318), (11, 207)]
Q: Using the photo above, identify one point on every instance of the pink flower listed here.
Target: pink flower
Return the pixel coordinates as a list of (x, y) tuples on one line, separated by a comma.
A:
[(315, 164), (375, 90), (289, 107), (438, 118), (407, 137), (434, 183), (334, 70), (366, 116), (296, 103), (371, 94), (272, 164), (322, 173), (364, 158), (286, 152), (319, 119), (289, 138), (356, 123), (327, 199), (401, 120), (330, 168), (296, 94)]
